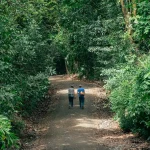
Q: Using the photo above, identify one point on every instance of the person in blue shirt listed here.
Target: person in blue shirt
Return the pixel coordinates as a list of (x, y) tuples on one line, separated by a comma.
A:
[(81, 93)]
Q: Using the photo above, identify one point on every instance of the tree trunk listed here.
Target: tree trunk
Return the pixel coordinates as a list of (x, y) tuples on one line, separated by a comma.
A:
[(134, 7), (127, 15)]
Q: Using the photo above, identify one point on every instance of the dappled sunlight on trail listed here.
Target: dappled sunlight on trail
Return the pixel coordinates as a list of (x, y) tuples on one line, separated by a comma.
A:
[(87, 123), (96, 123)]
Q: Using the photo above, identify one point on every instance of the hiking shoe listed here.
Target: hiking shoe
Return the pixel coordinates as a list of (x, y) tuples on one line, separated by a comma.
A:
[(82, 107)]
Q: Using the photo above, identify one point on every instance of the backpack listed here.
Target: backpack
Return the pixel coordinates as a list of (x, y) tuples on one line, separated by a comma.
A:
[(82, 93)]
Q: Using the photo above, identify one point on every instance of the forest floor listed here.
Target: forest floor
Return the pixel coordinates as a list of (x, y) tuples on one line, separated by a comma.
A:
[(92, 128)]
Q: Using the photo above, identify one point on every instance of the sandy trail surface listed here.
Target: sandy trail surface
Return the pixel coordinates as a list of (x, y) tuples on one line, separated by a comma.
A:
[(92, 128)]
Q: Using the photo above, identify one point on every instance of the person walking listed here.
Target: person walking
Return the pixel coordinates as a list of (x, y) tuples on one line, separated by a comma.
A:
[(81, 93), (71, 94)]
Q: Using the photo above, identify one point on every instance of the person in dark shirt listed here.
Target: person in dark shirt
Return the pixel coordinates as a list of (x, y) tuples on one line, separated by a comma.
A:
[(81, 93)]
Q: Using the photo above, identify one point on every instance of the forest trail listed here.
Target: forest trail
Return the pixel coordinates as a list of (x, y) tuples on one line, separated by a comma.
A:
[(75, 129)]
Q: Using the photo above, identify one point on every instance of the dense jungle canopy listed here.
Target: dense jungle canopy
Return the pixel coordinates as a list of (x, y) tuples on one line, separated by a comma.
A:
[(106, 40)]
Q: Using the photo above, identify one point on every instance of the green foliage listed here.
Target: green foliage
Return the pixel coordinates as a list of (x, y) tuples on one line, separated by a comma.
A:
[(34, 90), (107, 44), (141, 26), (10, 101), (130, 89), (24, 51), (7, 138), (26, 58), (89, 38)]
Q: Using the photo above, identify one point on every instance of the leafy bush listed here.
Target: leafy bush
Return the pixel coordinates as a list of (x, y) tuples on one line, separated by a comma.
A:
[(34, 90), (7, 138), (141, 26), (10, 101), (130, 90), (26, 53)]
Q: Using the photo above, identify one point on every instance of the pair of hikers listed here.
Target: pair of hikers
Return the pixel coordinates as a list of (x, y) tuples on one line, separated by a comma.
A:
[(71, 96)]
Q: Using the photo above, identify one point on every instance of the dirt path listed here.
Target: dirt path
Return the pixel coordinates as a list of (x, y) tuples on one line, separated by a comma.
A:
[(74, 129)]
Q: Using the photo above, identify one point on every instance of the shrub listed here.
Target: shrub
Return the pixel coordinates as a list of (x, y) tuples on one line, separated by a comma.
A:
[(34, 90), (10, 101), (7, 138), (130, 91)]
